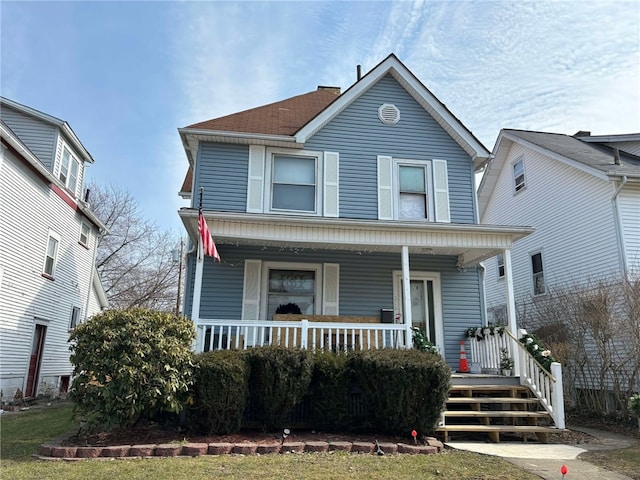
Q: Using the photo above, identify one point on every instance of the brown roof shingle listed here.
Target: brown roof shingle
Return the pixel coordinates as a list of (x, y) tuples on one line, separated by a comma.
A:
[(285, 117)]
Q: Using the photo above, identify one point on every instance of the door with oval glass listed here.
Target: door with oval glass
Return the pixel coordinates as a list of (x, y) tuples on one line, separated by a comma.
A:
[(426, 305)]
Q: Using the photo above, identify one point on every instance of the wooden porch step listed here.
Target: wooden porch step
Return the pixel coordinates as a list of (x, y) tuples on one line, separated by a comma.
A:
[(495, 413), (494, 431), (488, 388), (494, 400)]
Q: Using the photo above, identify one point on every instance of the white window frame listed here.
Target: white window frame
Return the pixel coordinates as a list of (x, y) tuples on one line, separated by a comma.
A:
[(430, 193), (52, 235), (500, 265), (268, 190), (74, 320), (87, 236), (264, 290), (518, 187), (72, 161), (534, 275)]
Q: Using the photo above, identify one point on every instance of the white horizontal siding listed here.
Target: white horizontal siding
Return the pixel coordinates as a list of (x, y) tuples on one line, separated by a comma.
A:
[(629, 207), (28, 209), (629, 147), (574, 220)]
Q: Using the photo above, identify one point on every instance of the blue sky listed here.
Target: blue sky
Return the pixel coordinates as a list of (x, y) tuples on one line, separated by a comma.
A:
[(126, 75)]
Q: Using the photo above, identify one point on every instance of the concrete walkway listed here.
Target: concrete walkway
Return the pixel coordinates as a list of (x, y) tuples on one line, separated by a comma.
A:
[(546, 460)]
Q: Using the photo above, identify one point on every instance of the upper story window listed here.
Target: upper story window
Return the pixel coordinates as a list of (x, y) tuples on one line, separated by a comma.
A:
[(69, 168), (412, 191), (290, 181), (75, 318), (294, 183), (84, 234), (500, 260), (538, 274), (51, 255), (518, 175)]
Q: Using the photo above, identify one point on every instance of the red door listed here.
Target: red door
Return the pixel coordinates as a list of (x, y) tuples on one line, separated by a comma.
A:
[(36, 361)]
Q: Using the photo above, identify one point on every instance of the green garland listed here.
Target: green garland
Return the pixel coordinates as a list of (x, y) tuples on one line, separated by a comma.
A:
[(480, 333), (534, 346)]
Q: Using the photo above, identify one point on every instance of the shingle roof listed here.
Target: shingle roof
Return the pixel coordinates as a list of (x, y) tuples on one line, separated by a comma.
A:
[(594, 155), (285, 117)]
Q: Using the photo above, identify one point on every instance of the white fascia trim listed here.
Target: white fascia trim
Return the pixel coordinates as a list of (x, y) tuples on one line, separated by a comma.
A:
[(403, 75), (625, 137), (24, 151), (250, 138)]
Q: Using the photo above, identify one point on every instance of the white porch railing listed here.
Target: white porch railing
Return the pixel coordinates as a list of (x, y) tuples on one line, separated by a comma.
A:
[(242, 334), (546, 386)]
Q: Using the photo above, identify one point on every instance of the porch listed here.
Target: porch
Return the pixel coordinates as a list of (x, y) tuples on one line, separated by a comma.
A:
[(529, 401)]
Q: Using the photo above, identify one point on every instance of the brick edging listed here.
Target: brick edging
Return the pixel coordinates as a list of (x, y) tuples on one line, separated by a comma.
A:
[(55, 451)]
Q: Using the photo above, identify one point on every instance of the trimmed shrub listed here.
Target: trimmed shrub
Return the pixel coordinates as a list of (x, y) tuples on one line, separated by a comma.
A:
[(130, 364), (329, 392), (221, 390), (279, 379), (402, 390)]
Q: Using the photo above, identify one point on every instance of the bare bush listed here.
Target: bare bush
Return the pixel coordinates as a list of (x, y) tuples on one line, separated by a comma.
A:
[(594, 331)]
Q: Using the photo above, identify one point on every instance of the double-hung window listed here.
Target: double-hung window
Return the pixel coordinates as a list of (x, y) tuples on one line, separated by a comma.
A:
[(289, 288), (518, 175), (84, 234), (51, 255), (294, 183), (538, 274), (69, 168), (75, 318), (412, 191), (500, 260)]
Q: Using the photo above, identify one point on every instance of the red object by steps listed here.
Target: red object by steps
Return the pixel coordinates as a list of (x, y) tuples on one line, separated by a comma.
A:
[(464, 365)]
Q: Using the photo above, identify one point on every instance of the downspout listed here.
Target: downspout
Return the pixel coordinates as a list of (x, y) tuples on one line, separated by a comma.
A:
[(93, 272), (616, 206)]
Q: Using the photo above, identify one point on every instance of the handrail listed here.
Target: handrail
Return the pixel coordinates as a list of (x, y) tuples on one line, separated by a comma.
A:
[(524, 349)]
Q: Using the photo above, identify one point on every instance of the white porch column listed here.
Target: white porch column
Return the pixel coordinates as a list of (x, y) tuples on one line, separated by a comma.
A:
[(197, 292), (406, 295), (511, 304)]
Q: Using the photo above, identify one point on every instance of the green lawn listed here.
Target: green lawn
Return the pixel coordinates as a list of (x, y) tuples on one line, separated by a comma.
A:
[(23, 433)]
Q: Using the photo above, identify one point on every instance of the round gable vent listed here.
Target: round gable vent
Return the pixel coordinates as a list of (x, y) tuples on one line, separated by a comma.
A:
[(388, 114)]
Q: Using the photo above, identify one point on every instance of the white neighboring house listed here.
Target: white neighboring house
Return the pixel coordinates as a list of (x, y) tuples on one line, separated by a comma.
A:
[(48, 240), (580, 193)]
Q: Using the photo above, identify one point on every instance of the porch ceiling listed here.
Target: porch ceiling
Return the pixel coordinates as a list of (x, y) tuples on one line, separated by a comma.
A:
[(470, 243)]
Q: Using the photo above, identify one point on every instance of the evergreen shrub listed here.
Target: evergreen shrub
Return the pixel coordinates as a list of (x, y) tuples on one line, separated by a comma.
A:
[(279, 379), (330, 391), (130, 364), (402, 390), (221, 390)]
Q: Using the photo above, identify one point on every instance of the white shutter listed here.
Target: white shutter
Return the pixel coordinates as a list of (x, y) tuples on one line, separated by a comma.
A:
[(255, 185), (441, 191), (331, 175), (251, 296), (331, 289), (385, 188)]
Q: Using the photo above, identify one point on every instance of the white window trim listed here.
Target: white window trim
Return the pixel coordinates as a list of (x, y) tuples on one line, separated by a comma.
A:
[(73, 158), (264, 288), (85, 244), (54, 267), (513, 175), (430, 208), (544, 271), (319, 157), (434, 277)]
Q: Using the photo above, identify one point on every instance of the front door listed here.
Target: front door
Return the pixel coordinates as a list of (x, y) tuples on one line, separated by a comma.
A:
[(35, 361), (425, 305)]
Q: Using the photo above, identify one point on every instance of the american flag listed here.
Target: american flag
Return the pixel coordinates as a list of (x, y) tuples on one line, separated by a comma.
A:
[(208, 246)]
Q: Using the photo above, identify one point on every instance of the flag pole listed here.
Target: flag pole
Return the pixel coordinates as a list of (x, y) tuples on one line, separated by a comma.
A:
[(197, 287)]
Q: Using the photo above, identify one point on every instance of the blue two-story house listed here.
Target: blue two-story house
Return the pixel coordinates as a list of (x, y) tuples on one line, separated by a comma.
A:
[(355, 211)]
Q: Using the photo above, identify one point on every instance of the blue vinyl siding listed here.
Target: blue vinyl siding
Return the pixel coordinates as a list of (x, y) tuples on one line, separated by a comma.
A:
[(366, 284), (40, 137), (222, 170), (359, 135)]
